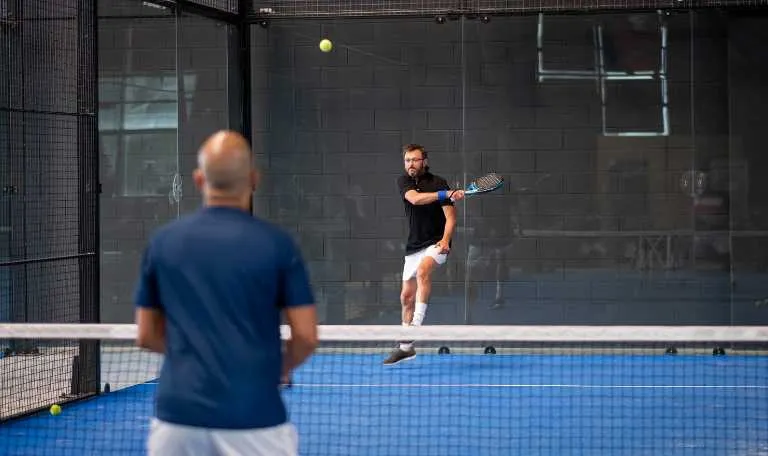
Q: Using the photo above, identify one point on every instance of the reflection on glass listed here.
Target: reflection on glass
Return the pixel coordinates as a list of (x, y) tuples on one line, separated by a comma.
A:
[(138, 125), (630, 144), (143, 112), (162, 90), (204, 62), (148, 168)]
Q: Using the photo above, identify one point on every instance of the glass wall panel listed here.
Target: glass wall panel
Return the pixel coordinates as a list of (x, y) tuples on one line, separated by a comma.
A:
[(139, 88), (627, 141)]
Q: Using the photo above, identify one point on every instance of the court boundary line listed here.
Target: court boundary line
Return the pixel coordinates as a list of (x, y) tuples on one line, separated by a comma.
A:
[(119, 385), (520, 385)]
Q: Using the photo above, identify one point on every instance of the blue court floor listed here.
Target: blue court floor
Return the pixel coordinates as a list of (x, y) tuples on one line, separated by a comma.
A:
[(471, 405)]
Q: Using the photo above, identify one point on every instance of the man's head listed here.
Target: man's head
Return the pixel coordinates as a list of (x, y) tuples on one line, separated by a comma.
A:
[(225, 173), (415, 160)]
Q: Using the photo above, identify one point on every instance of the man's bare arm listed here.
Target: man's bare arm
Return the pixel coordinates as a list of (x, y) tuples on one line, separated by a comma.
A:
[(419, 199), (450, 223), (303, 323), (151, 329)]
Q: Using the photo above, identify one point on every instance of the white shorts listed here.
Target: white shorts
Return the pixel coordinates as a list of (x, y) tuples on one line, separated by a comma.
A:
[(177, 440), (413, 260)]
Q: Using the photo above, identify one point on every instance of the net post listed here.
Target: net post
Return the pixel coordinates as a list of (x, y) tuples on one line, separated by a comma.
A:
[(86, 364), (85, 379), (75, 386)]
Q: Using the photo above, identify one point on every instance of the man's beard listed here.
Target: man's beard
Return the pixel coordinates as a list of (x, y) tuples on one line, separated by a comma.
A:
[(414, 172)]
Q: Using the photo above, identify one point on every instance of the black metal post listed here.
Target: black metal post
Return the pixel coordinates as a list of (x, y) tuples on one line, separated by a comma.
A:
[(239, 96), (86, 367)]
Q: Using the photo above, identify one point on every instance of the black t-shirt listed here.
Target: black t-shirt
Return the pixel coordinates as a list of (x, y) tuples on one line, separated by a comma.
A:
[(426, 222)]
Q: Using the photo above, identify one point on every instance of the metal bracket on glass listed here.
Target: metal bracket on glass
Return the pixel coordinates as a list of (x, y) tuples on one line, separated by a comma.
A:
[(600, 75), (693, 182), (174, 195)]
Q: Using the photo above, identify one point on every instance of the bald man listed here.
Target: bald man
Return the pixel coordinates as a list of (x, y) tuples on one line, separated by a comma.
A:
[(211, 290)]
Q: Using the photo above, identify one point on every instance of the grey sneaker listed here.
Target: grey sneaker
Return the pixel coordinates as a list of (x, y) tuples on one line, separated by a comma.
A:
[(399, 355)]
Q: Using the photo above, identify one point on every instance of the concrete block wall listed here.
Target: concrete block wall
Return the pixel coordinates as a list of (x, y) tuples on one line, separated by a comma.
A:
[(328, 129)]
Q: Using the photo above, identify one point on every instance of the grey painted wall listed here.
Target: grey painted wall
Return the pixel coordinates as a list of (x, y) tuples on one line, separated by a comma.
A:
[(328, 129)]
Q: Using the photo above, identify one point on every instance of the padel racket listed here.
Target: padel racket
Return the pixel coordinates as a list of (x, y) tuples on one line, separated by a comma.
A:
[(484, 184)]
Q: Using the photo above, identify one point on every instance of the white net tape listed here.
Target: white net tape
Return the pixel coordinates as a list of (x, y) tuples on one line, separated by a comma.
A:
[(374, 333)]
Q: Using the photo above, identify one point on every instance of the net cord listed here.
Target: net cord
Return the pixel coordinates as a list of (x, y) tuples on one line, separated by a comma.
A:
[(517, 333)]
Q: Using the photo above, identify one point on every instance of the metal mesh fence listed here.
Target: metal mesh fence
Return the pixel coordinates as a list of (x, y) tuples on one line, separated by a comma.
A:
[(352, 8), (231, 6), (48, 231)]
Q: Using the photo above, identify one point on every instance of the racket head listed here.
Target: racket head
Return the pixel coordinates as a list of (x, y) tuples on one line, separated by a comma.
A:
[(484, 184)]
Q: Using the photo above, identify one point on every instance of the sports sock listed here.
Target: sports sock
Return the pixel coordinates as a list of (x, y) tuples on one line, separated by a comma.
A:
[(406, 346), (418, 314)]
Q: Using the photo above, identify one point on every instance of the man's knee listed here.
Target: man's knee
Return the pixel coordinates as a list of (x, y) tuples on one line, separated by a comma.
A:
[(424, 272), (408, 293)]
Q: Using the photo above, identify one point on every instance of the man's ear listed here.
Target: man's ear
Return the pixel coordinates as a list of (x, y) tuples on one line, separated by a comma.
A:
[(199, 179)]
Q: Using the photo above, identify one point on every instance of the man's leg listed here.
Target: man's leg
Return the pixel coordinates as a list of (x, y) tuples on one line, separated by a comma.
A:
[(423, 289), (420, 266), (408, 300), (405, 350), (431, 260)]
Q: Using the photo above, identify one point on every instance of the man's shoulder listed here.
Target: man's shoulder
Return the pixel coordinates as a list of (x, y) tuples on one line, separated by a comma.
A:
[(263, 227), (437, 177), (168, 229), (176, 226), (437, 180), (272, 229), (256, 226)]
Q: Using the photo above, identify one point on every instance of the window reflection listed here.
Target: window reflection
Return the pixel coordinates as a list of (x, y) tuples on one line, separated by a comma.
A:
[(138, 121)]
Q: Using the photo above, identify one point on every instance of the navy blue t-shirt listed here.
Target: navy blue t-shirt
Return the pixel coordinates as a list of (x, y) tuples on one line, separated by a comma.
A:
[(222, 277)]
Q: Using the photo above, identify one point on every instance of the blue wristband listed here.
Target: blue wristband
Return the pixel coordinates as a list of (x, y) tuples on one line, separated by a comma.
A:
[(441, 195)]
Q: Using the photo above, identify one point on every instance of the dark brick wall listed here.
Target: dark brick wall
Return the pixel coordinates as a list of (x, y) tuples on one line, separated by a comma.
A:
[(329, 128)]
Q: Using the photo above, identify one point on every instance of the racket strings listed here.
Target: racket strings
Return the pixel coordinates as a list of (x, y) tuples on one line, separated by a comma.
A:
[(488, 181)]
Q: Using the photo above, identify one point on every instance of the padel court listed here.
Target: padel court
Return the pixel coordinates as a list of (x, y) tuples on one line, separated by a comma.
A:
[(605, 292), (471, 404)]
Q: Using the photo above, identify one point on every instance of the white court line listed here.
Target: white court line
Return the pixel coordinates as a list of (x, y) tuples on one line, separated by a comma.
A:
[(520, 385), (490, 385)]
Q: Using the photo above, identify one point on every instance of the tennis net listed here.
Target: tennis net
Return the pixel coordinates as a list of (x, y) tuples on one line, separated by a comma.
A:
[(472, 390)]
